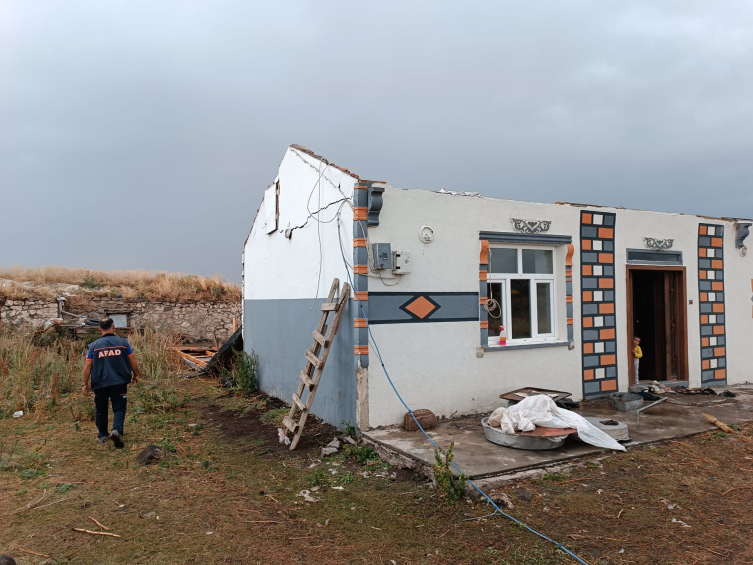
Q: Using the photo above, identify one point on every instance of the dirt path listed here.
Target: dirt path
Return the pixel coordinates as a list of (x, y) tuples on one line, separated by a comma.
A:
[(228, 492)]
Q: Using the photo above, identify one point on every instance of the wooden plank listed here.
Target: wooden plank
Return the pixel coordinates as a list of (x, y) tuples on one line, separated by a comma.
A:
[(290, 424), (299, 403), (320, 338), (306, 379), (313, 359), (329, 306)]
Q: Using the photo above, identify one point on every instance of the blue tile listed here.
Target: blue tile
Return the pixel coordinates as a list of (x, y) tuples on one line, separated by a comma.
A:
[(589, 257), (609, 271), (611, 372), (704, 241), (704, 285), (570, 335), (608, 245), (609, 296), (590, 309), (722, 362), (721, 340), (608, 219), (609, 321), (591, 387), (569, 307), (588, 231), (706, 330), (590, 283), (720, 318), (707, 353), (610, 347), (704, 264), (705, 308), (590, 335), (591, 361)]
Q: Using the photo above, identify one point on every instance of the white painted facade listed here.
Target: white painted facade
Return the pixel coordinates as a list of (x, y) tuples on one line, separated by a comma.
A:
[(278, 267), (442, 366)]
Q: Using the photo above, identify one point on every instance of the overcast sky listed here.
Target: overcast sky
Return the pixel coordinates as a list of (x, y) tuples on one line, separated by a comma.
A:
[(141, 134)]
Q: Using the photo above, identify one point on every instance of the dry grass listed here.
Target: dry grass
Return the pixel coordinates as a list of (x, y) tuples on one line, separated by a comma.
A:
[(38, 372), (45, 282)]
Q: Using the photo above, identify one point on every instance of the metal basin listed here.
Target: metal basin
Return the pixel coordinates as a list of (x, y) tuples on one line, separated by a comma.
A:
[(625, 401), (533, 443)]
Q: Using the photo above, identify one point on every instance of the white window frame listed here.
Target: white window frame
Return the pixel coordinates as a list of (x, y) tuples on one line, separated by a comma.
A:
[(534, 278)]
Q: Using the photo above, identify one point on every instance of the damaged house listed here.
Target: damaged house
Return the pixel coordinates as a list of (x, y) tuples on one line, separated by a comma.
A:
[(469, 297)]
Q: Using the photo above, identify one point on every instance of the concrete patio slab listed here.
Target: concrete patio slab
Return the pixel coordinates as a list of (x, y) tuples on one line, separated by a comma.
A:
[(678, 417)]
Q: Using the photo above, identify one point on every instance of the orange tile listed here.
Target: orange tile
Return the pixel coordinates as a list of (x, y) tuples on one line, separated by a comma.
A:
[(360, 323), (608, 359), (606, 308), (569, 299), (588, 322), (702, 252), (720, 374), (587, 245), (586, 218), (569, 321), (606, 233), (705, 364), (588, 375), (569, 257), (716, 242), (720, 351), (702, 275), (704, 319), (717, 264), (587, 270), (717, 286), (606, 283), (606, 334), (702, 230), (587, 296), (421, 307), (608, 385), (718, 330), (719, 307), (607, 258), (482, 275), (361, 213), (704, 297), (483, 257), (359, 242), (361, 349), (361, 295), (588, 348), (704, 342), (360, 269), (482, 299)]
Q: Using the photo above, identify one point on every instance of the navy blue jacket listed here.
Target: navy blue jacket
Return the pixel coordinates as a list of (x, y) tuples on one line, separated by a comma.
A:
[(111, 365)]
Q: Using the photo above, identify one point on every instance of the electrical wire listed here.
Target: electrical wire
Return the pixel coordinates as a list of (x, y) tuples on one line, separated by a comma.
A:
[(458, 469)]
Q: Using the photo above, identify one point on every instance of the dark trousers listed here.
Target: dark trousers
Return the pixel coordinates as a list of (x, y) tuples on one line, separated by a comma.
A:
[(102, 397)]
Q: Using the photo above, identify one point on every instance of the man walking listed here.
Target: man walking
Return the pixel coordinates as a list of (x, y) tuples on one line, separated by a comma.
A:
[(109, 363)]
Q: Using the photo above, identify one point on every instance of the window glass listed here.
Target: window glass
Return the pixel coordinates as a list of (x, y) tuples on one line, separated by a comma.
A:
[(494, 291), (544, 308), (538, 262), (503, 260), (520, 308)]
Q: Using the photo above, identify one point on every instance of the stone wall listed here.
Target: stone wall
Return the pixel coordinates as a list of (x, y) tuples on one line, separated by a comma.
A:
[(196, 321)]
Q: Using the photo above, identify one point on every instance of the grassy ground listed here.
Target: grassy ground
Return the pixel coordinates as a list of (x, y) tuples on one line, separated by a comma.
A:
[(228, 492), (17, 283)]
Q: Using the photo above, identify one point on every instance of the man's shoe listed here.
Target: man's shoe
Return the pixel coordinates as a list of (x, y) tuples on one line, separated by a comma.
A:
[(102, 439), (117, 439)]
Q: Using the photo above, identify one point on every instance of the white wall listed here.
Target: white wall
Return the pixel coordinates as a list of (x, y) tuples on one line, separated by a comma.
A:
[(435, 366), (279, 268)]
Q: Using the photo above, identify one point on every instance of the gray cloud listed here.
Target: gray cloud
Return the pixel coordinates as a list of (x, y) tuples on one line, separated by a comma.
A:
[(162, 122)]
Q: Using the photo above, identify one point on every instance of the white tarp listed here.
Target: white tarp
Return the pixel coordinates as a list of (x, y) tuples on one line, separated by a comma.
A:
[(540, 410)]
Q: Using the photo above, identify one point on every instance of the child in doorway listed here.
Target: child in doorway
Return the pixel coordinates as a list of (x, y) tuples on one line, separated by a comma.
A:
[(637, 354)]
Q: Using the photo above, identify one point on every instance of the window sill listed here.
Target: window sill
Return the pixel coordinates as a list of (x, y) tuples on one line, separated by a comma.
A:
[(536, 345)]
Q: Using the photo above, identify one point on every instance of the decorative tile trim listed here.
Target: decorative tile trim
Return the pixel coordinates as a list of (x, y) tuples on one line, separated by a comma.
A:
[(532, 238), (422, 307), (598, 326), (658, 244), (530, 226), (569, 290), (361, 198), (375, 203), (711, 304), (483, 315)]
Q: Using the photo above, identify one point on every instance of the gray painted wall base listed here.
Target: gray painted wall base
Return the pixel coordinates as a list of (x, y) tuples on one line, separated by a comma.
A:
[(279, 332)]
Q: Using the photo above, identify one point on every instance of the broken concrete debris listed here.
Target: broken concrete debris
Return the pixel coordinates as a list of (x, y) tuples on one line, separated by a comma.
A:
[(150, 454), (331, 447)]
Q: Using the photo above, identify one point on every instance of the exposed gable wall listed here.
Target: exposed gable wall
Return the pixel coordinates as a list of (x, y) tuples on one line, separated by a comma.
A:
[(281, 276)]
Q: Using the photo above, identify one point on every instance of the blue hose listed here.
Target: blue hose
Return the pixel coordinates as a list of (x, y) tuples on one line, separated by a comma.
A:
[(470, 482)]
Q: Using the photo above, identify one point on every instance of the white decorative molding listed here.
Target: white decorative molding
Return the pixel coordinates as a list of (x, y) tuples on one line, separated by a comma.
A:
[(658, 244), (530, 226)]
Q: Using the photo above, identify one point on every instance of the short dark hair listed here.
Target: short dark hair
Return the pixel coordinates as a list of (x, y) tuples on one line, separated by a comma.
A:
[(7, 560), (636, 337), (106, 323)]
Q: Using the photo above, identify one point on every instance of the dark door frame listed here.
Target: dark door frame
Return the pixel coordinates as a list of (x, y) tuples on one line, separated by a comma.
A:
[(682, 316)]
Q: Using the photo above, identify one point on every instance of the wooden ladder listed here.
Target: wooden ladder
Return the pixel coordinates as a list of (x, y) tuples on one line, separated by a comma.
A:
[(316, 358)]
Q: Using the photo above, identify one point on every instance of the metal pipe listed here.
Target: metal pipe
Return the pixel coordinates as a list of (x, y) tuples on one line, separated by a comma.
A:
[(638, 412)]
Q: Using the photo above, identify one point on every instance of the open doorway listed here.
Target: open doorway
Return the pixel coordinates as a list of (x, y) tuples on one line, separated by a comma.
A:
[(657, 313)]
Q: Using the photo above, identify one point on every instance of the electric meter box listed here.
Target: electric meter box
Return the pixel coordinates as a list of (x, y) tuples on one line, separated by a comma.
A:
[(401, 262), (381, 256)]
